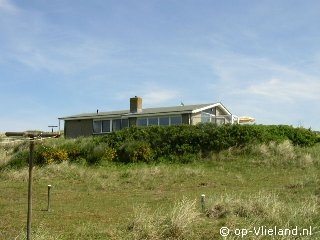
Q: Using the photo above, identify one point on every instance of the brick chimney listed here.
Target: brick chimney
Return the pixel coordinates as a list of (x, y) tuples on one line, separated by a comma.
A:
[(135, 104)]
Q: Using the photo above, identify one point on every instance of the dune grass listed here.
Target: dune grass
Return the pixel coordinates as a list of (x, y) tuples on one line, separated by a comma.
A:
[(266, 185)]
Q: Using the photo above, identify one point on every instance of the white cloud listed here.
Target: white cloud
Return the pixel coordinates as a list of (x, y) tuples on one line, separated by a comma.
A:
[(152, 94), (287, 90), (250, 77), (34, 41), (270, 91), (82, 54), (159, 96), (7, 6)]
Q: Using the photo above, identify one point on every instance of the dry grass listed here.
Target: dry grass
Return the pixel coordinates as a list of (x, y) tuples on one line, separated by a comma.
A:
[(160, 224), (285, 154), (144, 201), (263, 209)]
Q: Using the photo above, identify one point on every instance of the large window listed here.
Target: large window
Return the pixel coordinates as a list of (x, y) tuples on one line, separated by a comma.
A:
[(142, 122), (174, 120), (162, 121), (206, 117), (106, 126), (124, 123), (116, 124), (101, 126), (97, 126), (153, 121)]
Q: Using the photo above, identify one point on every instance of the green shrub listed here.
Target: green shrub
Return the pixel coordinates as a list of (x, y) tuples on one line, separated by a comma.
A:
[(135, 151), (101, 154), (74, 150), (181, 143), (48, 155), (19, 160), (109, 155), (168, 141)]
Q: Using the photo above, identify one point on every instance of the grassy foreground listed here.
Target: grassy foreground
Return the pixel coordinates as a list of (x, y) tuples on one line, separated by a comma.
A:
[(268, 186)]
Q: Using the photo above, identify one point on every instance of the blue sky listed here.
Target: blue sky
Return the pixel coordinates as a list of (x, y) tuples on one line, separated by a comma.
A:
[(259, 58)]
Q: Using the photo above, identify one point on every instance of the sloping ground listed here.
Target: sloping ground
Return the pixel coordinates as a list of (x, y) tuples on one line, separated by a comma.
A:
[(271, 187)]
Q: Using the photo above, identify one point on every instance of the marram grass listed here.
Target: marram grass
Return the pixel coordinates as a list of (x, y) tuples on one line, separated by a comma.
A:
[(244, 188)]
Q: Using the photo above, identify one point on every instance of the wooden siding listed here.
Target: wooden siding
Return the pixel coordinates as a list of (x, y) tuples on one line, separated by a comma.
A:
[(78, 128)]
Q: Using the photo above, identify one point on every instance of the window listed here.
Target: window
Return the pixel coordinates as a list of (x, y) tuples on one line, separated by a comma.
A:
[(174, 120), (142, 122), (106, 126), (220, 121), (205, 117), (124, 123), (164, 121), (96, 126), (101, 126), (152, 121), (116, 124)]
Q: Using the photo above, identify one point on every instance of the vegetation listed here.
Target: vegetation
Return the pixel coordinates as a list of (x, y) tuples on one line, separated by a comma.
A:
[(133, 184), (180, 144)]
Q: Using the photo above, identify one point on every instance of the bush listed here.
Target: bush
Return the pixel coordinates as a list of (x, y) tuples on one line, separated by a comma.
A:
[(19, 160), (180, 144), (205, 138), (101, 154), (49, 155), (74, 150), (135, 151)]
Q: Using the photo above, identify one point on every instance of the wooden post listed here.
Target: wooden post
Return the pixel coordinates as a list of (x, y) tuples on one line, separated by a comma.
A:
[(30, 189), (49, 188), (203, 202), (32, 137)]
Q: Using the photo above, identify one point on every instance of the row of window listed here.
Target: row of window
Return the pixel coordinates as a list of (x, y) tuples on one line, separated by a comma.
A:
[(160, 121), (210, 118), (106, 126)]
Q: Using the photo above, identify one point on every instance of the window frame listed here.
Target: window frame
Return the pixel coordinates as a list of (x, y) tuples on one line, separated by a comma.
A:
[(158, 120)]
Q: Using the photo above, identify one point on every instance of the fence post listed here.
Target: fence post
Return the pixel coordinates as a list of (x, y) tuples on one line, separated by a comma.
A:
[(30, 189), (49, 188), (33, 136), (203, 202)]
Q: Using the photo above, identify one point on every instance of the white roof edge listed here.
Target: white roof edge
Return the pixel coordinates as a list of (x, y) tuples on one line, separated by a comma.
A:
[(211, 106)]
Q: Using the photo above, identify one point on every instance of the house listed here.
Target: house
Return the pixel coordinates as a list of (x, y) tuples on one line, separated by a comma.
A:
[(105, 122)]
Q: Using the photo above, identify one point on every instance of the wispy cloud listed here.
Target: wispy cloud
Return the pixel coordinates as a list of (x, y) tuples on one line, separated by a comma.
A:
[(65, 59), (152, 94), (245, 75), (288, 90), (7, 6), (159, 96), (32, 40)]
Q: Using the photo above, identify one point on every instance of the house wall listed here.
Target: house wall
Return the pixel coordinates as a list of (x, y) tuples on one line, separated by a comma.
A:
[(219, 112), (78, 128), (195, 118)]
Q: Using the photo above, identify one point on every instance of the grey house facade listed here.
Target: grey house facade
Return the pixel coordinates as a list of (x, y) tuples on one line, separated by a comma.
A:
[(89, 124)]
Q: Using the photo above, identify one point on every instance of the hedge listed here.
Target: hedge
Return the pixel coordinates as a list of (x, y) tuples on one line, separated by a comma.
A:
[(156, 143)]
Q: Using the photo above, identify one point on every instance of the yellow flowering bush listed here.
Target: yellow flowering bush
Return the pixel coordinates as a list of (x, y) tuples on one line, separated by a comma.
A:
[(49, 155)]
